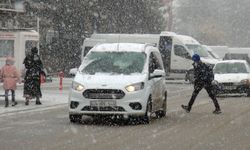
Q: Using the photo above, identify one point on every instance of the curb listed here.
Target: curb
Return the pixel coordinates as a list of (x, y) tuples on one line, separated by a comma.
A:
[(176, 82), (43, 108)]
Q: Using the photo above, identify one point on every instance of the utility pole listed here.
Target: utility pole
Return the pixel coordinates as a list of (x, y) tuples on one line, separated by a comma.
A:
[(169, 13)]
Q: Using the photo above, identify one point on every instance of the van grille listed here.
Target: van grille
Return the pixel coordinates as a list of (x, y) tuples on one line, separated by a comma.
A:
[(103, 94), (94, 108)]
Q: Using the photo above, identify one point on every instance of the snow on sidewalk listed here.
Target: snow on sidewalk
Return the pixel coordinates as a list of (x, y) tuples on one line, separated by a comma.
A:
[(51, 97)]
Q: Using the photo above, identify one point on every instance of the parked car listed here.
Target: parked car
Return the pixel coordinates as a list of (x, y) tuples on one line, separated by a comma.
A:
[(232, 76), (237, 56), (119, 79)]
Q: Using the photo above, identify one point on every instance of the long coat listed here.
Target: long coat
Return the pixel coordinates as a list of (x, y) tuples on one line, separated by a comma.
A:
[(34, 67), (10, 77)]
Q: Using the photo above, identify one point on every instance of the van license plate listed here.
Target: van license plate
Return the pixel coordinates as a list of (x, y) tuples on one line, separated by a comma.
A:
[(103, 103)]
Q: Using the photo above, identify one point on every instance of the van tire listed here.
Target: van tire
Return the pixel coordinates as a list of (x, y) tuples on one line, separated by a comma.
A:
[(248, 93), (162, 113), (148, 113)]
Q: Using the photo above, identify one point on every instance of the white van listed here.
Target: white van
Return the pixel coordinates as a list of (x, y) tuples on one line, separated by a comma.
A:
[(121, 79), (176, 50)]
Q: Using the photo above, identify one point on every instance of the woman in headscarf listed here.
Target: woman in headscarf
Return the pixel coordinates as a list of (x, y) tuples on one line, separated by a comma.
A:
[(34, 67)]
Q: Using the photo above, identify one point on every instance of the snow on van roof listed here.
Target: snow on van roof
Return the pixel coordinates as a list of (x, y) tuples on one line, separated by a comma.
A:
[(133, 47), (123, 35), (232, 61), (187, 39)]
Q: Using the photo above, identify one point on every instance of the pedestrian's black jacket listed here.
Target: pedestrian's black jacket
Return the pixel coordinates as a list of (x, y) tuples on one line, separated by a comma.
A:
[(203, 73), (34, 66)]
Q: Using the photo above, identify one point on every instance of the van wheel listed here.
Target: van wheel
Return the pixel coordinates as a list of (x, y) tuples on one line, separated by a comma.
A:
[(162, 113), (248, 93), (75, 118), (147, 116)]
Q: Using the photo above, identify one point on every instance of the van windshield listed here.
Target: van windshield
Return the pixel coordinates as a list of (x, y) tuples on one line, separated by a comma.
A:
[(197, 49), (114, 62)]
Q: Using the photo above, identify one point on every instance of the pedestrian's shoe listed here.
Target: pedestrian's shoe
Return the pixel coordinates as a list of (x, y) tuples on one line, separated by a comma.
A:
[(14, 103), (217, 111), (185, 108), (6, 103), (27, 102), (38, 102)]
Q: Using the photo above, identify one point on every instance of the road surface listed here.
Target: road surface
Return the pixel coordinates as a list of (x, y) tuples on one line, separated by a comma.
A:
[(42, 128)]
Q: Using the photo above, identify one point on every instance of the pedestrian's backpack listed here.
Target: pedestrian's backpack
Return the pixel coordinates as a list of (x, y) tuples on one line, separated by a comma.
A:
[(210, 73)]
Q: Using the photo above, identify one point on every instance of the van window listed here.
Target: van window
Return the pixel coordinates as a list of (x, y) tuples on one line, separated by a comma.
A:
[(179, 50), (114, 62), (6, 48), (197, 49), (154, 63), (212, 54)]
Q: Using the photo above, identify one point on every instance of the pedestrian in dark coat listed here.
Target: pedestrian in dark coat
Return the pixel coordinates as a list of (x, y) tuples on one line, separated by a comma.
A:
[(34, 68), (203, 77)]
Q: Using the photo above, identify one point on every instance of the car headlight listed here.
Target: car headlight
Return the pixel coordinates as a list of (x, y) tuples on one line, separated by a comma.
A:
[(135, 87), (78, 87), (245, 81)]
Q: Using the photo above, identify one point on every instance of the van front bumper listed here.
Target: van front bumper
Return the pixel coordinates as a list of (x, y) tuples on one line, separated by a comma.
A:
[(132, 104)]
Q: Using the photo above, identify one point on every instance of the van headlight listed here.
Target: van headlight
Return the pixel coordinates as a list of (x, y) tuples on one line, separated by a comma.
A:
[(135, 87), (245, 81), (77, 86)]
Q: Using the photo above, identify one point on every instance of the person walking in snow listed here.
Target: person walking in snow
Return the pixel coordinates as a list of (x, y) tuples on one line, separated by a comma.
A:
[(203, 77), (10, 76), (34, 68)]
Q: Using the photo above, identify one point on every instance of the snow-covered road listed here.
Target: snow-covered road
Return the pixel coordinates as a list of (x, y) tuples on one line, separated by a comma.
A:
[(48, 128)]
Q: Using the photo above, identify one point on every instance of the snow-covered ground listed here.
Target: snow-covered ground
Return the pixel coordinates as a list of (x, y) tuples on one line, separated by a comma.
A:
[(52, 97)]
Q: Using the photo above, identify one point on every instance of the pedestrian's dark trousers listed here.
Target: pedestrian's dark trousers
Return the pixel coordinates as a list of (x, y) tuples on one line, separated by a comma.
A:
[(209, 89), (12, 94)]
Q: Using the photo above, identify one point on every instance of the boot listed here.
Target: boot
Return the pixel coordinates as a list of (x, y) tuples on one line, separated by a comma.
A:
[(217, 111), (14, 103), (26, 101), (6, 103), (6, 99), (38, 102), (186, 108)]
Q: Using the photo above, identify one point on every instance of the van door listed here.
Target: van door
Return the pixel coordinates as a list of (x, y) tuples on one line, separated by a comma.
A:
[(165, 47), (156, 83), (181, 59)]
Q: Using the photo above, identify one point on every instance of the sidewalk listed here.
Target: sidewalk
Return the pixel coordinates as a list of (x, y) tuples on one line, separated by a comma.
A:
[(52, 97)]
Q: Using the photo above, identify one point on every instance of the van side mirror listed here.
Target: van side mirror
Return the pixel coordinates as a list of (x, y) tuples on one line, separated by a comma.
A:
[(73, 71), (188, 56), (157, 74)]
